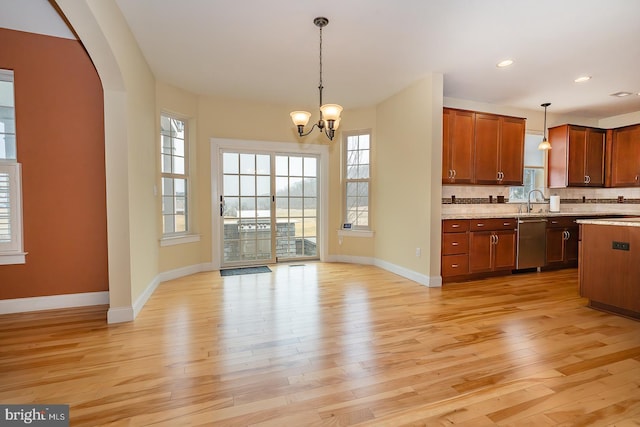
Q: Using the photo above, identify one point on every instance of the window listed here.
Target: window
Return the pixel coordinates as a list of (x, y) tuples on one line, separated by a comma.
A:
[(175, 177), (533, 170), (11, 248), (357, 179)]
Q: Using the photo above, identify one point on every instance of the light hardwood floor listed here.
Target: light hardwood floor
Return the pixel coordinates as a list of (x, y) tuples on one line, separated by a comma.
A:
[(333, 344)]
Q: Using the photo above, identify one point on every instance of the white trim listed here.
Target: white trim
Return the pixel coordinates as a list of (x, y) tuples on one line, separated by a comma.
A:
[(218, 144), (13, 258), (120, 314), (429, 281), (355, 233), (184, 271), (432, 282), (179, 240), (128, 314), (53, 302)]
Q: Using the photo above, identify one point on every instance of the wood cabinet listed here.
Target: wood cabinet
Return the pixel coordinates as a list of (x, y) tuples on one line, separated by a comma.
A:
[(457, 146), (499, 149), (492, 245), (609, 267), (562, 242), (455, 248), (577, 156), (482, 148), (624, 163)]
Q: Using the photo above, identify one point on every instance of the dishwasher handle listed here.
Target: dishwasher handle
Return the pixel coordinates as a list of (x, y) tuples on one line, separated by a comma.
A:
[(528, 221)]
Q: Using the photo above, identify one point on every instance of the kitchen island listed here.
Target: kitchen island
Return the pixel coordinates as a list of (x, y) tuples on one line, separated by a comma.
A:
[(609, 264)]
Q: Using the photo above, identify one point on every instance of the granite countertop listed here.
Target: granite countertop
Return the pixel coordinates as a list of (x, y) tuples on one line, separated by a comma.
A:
[(527, 215), (624, 222)]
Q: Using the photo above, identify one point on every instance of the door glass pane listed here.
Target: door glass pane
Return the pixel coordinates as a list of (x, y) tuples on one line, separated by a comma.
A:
[(296, 207), (247, 218)]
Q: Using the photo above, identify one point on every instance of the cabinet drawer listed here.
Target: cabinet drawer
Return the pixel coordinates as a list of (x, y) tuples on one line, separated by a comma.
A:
[(493, 224), (455, 225), (455, 265), (561, 222), (455, 243)]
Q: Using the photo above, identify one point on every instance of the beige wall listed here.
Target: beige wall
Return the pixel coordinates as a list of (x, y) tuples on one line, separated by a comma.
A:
[(407, 128)]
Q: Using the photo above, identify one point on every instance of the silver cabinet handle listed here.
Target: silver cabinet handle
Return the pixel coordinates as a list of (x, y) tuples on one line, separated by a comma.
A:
[(455, 226), (454, 243), (454, 265), (454, 173)]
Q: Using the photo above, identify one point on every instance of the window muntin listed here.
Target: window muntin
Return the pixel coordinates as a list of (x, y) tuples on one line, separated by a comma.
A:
[(175, 178), (357, 179)]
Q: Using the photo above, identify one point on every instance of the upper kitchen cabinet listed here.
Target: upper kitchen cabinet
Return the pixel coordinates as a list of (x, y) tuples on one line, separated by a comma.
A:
[(625, 157), (457, 146), (499, 149), (577, 156)]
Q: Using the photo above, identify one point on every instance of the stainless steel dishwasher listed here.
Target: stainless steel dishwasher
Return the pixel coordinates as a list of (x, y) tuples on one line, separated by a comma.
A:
[(531, 243)]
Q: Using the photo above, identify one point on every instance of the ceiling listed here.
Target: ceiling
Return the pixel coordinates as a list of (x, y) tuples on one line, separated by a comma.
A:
[(267, 51)]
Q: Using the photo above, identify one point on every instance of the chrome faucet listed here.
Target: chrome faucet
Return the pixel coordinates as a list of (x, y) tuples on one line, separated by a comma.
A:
[(529, 198)]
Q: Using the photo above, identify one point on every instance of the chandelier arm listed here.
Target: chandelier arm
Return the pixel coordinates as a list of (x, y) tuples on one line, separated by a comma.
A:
[(301, 129)]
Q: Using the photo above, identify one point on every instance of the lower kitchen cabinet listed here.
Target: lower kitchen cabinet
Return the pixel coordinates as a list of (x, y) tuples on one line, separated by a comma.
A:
[(492, 245), (475, 248), (455, 248), (562, 242)]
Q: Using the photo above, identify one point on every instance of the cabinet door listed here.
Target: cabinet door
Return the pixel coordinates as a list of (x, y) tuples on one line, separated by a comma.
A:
[(446, 145), (487, 148), (462, 133), (625, 153), (571, 245), (505, 250), (594, 164), (512, 151), (555, 245), (480, 251), (577, 155)]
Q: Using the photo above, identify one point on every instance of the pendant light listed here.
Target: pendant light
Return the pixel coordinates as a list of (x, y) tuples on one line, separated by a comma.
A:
[(544, 145), (329, 113)]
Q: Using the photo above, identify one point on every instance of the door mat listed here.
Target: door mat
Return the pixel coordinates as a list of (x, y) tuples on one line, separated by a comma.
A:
[(245, 270)]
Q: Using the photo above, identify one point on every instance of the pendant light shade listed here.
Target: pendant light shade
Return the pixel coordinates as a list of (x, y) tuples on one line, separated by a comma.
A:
[(544, 145)]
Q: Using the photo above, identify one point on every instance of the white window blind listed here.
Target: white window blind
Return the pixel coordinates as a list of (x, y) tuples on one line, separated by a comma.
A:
[(11, 251)]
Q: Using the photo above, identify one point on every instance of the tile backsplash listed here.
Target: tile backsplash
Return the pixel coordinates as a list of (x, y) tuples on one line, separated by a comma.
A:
[(484, 199)]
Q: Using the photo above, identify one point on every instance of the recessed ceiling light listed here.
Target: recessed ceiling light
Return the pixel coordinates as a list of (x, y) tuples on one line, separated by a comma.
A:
[(504, 63), (621, 94), (582, 79)]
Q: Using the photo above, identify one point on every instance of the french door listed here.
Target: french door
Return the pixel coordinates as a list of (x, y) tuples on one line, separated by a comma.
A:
[(269, 207)]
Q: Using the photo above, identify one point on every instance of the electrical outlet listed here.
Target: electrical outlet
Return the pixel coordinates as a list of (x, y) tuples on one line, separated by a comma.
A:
[(418, 252)]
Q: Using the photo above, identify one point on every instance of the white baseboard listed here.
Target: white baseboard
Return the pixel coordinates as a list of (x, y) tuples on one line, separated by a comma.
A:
[(53, 302), (128, 314), (351, 259), (120, 314), (184, 271), (430, 281)]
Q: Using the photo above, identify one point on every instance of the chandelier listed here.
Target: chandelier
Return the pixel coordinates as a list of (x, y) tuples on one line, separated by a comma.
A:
[(329, 113)]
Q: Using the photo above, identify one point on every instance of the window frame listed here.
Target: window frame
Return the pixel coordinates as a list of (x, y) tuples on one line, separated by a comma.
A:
[(12, 251), (346, 181), (186, 235), (514, 189)]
